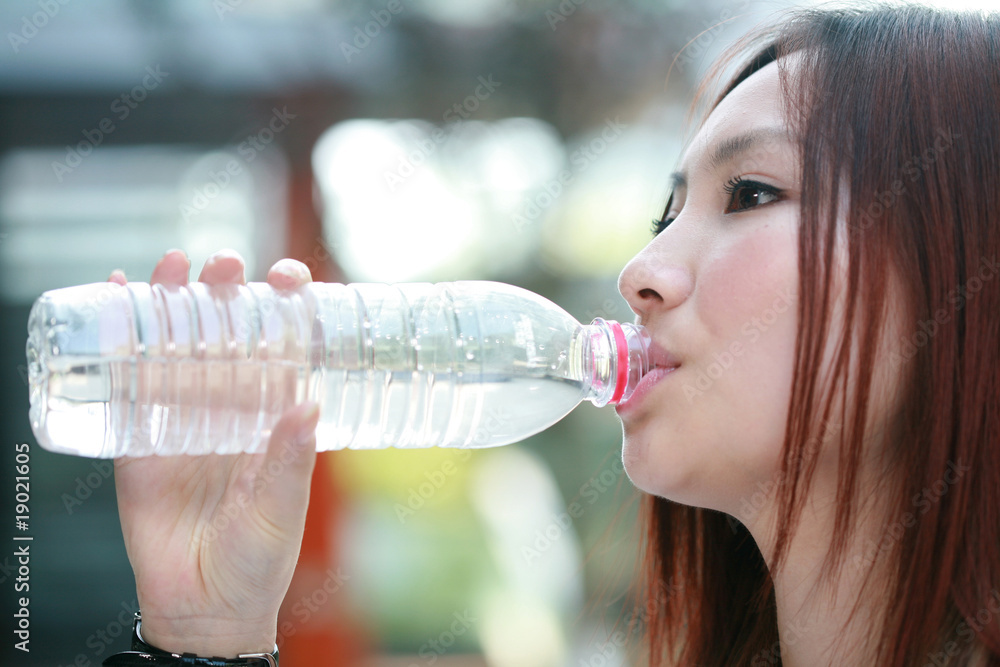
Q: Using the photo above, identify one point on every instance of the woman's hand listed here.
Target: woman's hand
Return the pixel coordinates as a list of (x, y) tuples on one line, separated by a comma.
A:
[(213, 540)]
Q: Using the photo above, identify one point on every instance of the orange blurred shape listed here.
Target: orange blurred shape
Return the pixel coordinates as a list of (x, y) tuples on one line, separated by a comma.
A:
[(315, 624)]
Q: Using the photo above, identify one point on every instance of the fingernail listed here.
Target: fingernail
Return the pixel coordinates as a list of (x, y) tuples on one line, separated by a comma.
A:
[(307, 428), (225, 253), (236, 266), (292, 269)]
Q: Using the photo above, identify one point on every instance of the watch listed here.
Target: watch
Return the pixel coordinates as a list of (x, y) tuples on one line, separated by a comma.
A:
[(145, 655)]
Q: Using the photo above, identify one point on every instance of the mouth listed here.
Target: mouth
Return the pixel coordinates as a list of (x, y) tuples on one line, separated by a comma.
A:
[(661, 364), (660, 359)]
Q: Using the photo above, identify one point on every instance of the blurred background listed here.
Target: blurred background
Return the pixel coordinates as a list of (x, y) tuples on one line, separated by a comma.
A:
[(525, 141)]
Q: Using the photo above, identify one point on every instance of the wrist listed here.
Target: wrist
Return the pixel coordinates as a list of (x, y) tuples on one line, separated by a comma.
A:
[(146, 654), (225, 638)]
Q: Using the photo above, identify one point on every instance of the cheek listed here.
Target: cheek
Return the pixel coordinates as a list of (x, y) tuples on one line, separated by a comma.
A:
[(747, 300), (749, 288)]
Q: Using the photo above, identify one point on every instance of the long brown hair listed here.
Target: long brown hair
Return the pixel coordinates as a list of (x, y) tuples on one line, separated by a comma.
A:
[(900, 107)]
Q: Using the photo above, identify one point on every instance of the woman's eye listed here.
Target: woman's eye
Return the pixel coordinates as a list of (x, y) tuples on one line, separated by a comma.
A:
[(744, 194)]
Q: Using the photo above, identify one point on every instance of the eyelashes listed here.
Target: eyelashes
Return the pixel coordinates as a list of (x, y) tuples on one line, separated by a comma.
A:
[(742, 194), (659, 225), (745, 194)]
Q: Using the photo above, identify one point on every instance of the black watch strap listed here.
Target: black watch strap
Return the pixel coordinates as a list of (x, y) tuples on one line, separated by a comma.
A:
[(144, 655)]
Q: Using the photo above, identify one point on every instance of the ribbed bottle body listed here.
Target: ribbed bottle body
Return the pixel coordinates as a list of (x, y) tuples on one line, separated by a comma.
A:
[(197, 369)]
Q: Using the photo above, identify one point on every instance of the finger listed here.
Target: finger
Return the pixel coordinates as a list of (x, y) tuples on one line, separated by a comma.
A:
[(118, 277), (172, 268), (225, 266), (287, 468), (288, 274)]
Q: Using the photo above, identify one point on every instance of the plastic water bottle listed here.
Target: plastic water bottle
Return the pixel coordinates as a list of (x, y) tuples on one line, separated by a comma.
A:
[(198, 369)]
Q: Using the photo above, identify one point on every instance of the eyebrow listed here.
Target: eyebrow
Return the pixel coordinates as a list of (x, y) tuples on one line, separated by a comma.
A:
[(733, 147)]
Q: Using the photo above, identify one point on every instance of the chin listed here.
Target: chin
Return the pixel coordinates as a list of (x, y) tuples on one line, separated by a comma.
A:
[(662, 469), (656, 475), (635, 460)]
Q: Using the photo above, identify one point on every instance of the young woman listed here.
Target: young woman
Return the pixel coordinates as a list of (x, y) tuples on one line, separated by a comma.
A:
[(847, 175), (821, 440)]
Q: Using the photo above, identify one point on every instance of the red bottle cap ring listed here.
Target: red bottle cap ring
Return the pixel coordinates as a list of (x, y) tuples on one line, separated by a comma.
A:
[(621, 345)]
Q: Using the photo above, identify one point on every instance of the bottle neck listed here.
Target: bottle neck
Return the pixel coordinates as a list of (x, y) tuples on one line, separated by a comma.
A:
[(615, 357)]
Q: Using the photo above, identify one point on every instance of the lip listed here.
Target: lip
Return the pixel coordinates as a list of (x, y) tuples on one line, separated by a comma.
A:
[(663, 364), (659, 357)]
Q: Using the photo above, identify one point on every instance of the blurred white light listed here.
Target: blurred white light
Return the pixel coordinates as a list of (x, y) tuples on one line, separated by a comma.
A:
[(963, 5), (519, 630), (465, 13), (69, 216), (955, 5), (407, 200), (534, 544)]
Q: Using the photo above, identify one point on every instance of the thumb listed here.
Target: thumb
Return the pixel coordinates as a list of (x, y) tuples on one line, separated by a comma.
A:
[(288, 466)]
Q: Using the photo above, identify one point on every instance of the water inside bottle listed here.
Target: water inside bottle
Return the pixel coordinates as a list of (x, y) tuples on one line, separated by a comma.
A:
[(103, 407)]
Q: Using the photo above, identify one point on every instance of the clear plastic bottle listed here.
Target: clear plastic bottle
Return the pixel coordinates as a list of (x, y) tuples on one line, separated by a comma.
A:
[(197, 369)]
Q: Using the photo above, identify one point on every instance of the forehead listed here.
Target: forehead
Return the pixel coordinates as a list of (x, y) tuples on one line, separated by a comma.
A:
[(756, 103)]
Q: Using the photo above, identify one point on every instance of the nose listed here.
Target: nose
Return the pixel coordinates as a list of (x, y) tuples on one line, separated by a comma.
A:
[(651, 282)]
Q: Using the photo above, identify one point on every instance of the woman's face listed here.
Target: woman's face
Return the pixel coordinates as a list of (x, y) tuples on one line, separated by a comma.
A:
[(718, 290)]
